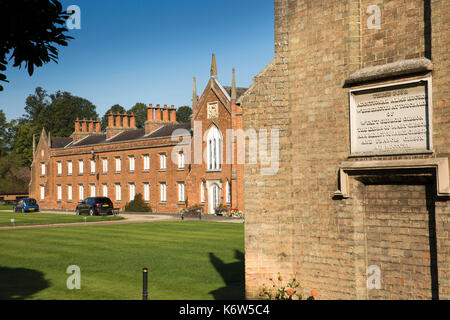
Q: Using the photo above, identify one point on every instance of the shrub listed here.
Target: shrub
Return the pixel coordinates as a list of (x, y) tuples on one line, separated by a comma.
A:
[(281, 291), (138, 205)]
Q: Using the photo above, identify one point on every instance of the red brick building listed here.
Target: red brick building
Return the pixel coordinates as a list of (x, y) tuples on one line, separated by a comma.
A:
[(172, 165)]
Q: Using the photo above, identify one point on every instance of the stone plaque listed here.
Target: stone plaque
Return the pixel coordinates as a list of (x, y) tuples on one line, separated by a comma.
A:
[(213, 110), (392, 119)]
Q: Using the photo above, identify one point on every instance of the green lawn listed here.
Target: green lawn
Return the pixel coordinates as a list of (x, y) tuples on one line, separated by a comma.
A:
[(186, 260), (6, 207), (21, 219)]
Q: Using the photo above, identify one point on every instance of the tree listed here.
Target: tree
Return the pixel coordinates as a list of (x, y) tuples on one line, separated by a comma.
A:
[(4, 143), (184, 114), (14, 177), (55, 112), (140, 112), (60, 115), (31, 29), (115, 108)]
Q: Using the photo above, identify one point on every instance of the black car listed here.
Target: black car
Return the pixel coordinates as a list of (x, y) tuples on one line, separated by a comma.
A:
[(95, 206)]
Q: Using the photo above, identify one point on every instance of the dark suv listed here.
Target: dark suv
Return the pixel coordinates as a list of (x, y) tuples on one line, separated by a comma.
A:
[(95, 206)]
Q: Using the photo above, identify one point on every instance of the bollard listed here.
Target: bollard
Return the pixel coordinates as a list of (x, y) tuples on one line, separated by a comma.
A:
[(201, 213), (144, 284)]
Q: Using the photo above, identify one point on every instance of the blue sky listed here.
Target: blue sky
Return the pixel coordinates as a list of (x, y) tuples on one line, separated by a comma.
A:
[(148, 51)]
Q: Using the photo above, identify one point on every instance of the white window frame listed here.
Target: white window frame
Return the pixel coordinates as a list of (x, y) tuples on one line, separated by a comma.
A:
[(202, 192), (132, 162), (69, 168), (42, 169), (118, 164), (163, 195), (80, 167), (181, 161), (92, 190), (105, 165), (59, 166), (228, 192), (42, 192), (146, 192), (181, 192), (131, 191), (81, 192), (59, 192), (214, 149), (92, 166), (146, 162), (162, 161), (118, 192), (69, 192), (105, 190)]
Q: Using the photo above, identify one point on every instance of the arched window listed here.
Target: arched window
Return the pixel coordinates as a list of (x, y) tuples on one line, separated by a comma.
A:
[(214, 149)]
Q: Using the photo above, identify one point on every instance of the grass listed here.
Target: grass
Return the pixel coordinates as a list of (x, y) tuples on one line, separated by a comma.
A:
[(186, 260), (36, 218), (6, 207)]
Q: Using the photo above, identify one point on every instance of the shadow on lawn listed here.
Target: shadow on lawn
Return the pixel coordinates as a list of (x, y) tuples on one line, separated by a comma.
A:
[(232, 274), (20, 284)]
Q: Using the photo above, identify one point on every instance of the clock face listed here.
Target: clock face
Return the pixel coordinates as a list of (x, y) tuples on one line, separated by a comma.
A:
[(213, 110)]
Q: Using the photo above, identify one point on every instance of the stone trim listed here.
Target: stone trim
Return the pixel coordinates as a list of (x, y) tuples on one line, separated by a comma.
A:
[(398, 68), (439, 164)]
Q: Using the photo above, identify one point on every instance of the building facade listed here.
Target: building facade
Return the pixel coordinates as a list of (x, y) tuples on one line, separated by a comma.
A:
[(157, 161), (359, 207)]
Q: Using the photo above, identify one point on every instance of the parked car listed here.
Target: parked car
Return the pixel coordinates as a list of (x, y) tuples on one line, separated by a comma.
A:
[(95, 206), (26, 205)]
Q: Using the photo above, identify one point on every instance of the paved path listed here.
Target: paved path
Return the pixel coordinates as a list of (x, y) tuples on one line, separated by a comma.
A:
[(128, 218)]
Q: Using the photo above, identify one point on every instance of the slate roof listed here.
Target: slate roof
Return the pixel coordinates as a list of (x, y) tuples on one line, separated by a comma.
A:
[(129, 135), (60, 142), (239, 91)]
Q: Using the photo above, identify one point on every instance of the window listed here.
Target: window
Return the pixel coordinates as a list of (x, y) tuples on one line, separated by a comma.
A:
[(163, 192), (132, 191), (118, 164), (92, 166), (105, 190), (105, 165), (162, 158), (228, 192), (214, 149), (59, 165), (42, 169), (69, 192), (92, 190), (146, 162), (181, 160), (118, 192), (131, 160), (80, 167), (59, 192), (69, 168), (202, 192), (81, 192), (146, 192), (181, 196), (42, 192)]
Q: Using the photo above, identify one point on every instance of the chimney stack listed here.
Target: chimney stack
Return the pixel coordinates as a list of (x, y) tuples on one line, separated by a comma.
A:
[(91, 125), (163, 116)]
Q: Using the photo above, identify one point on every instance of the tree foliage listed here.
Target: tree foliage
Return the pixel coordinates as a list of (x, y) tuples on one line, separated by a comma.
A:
[(14, 177), (184, 114), (31, 29), (115, 108), (140, 112)]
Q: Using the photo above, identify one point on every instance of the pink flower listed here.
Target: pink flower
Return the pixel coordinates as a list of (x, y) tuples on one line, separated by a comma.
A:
[(289, 291)]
